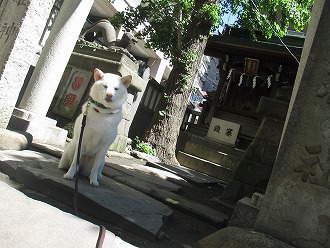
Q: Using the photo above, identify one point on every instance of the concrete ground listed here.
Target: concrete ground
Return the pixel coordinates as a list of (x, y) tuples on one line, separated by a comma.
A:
[(141, 205)]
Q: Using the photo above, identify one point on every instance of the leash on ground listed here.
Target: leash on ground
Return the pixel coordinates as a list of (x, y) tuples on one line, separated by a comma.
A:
[(102, 231), (101, 237)]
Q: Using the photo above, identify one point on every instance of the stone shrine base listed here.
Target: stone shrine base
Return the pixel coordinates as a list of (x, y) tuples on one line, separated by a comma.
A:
[(41, 128), (235, 237)]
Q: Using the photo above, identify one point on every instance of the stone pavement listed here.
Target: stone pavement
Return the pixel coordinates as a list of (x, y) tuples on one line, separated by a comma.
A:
[(29, 223), (132, 196), (111, 201)]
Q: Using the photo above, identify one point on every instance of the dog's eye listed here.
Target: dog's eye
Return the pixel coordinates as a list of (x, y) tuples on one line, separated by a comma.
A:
[(105, 86), (116, 88)]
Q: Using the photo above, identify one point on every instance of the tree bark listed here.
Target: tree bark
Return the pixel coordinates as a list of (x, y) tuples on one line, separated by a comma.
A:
[(164, 129)]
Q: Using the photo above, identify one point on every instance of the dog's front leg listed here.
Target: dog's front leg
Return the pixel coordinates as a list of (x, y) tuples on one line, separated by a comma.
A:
[(97, 166), (72, 170)]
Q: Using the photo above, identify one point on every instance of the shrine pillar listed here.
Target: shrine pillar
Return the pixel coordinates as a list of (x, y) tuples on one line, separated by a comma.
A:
[(30, 116), (21, 26)]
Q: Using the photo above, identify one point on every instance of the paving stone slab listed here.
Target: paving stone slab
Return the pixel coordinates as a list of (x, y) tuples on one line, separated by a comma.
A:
[(127, 168), (49, 149), (186, 205), (188, 174), (112, 201), (142, 173), (170, 198)]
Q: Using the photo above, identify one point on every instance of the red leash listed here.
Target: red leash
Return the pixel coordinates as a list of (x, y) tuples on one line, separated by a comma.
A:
[(101, 237)]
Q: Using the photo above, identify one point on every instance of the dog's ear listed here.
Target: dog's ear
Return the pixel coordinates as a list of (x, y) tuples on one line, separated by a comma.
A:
[(127, 80), (98, 74)]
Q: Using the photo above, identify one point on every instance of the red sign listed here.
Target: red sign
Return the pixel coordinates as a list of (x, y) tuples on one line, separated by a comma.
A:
[(76, 84), (69, 99)]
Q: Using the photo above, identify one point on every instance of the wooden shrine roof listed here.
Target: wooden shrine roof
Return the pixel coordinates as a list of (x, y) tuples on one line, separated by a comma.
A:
[(237, 41)]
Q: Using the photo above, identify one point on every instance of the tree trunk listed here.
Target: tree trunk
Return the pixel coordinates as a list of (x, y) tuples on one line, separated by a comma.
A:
[(164, 129)]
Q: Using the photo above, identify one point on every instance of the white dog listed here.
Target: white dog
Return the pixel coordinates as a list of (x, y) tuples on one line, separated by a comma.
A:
[(107, 95)]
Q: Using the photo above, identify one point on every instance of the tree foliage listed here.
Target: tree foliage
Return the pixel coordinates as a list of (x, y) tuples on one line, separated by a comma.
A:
[(180, 28), (163, 24), (272, 17)]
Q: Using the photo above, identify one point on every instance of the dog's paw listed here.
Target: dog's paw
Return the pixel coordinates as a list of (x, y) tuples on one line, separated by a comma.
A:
[(94, 183), (68, 176)]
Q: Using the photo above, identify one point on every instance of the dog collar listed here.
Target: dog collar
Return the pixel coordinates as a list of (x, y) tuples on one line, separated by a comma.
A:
[(100, 105)]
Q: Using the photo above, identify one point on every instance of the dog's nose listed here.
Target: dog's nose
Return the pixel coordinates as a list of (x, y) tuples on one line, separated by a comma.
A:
[(108, 97)]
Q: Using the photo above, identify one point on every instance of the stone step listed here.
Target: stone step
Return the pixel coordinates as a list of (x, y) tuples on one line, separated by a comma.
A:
[(112, 201), (41, 132), (211, 155), (204, 166), (193, 128), (207, 143), (27, 115)]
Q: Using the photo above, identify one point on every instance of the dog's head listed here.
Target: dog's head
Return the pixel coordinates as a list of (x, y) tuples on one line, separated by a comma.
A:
[(110, 89)]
